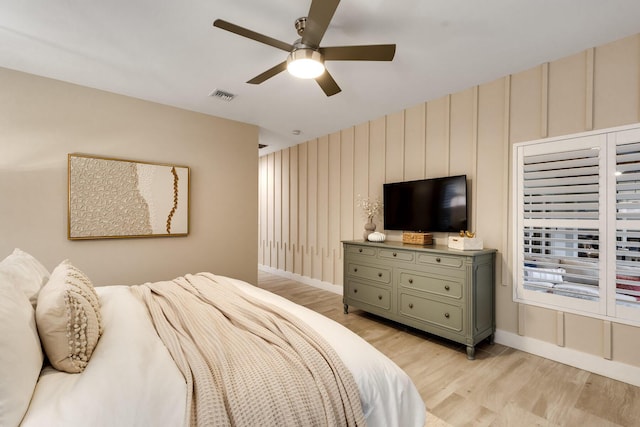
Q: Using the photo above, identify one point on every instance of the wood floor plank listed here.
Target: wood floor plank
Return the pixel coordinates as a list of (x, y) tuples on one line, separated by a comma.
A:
[(611, 400), (502, 387)]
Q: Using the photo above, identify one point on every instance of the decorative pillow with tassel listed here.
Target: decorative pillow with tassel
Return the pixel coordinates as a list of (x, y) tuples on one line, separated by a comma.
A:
[(68, 318)]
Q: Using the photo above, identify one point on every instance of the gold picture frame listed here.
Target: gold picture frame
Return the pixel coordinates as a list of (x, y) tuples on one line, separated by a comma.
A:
[(115, 198)]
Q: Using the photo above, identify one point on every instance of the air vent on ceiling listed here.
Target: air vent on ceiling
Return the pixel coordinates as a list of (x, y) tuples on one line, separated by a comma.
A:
[(225, 96)]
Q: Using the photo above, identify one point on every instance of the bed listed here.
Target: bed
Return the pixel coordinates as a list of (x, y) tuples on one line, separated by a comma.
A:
[(131, 376)]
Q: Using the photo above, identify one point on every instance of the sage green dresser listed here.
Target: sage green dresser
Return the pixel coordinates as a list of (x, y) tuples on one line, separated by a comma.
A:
[(442, 291)]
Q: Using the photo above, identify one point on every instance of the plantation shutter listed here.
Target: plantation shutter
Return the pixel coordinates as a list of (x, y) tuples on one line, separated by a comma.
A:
[(560, 216), (627, 208)]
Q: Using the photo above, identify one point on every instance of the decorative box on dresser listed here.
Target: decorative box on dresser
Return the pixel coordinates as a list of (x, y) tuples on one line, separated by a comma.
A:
[(442, 291)]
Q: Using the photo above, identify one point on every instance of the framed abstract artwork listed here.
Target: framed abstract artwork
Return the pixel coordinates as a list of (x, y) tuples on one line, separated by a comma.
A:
[(113, 198)]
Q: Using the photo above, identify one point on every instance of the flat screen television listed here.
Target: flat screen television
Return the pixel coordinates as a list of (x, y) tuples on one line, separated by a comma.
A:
[(426, 205)]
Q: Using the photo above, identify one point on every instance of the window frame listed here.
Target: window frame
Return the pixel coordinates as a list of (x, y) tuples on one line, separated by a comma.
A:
[(606, 305)]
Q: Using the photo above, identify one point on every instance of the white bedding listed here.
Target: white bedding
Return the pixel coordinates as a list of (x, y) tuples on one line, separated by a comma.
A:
[(131, 379)]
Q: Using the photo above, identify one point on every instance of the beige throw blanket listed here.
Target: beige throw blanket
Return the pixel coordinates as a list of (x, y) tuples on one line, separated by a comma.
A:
[(247, 363)]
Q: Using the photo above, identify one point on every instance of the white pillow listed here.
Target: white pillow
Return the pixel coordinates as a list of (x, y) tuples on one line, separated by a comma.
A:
[(26, 272), (20, 353), (68, 318)]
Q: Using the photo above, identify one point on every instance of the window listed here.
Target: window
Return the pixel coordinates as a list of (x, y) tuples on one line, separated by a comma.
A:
[(577, 225)]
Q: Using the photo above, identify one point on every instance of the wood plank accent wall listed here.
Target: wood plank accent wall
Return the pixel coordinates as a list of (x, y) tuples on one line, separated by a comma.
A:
[(308, 192)]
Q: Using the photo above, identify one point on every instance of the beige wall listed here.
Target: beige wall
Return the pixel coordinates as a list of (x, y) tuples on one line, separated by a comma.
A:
[(41, 120), (307, 192)]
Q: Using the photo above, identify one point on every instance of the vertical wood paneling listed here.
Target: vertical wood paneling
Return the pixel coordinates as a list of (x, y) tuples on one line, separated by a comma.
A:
[(506, 256), (544, 100), (617, 83), (461, 137), (526, 105), (322, 208), (567, 95), (312, 209), (360, 175), (302, 261), (590, 67), (606, 339), (437, 138), (270, 208), (286, 239), (333, 206), (262, 191), (521, 319), (277, 209), (491, 145), (414, 142), (394, 147), (560, 328), (474, 158), (293, 249), (377, 150), (347, 171)]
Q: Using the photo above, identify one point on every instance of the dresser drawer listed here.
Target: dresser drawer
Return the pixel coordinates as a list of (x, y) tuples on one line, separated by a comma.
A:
[(377, 274), (373, 295), (361, 250), (396, 255), (450, 287), (435, 259), (444, 315)]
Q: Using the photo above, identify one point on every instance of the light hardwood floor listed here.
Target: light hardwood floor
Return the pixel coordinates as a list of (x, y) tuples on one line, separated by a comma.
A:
[(502, 387)]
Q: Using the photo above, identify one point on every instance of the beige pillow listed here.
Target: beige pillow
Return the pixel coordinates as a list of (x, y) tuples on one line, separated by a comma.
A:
[(26, 272), (68, 318), (20, 353)]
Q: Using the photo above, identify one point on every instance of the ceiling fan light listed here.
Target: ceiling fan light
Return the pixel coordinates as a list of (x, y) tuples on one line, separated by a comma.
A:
[(305, 63)]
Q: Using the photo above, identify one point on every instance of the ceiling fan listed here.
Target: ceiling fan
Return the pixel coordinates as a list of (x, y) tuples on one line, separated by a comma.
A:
[(306, 57)]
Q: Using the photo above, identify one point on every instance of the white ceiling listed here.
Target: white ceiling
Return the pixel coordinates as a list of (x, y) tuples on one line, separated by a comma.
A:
[(169, 52)]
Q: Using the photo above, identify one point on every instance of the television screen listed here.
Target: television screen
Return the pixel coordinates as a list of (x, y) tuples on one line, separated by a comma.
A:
[(426, 205)]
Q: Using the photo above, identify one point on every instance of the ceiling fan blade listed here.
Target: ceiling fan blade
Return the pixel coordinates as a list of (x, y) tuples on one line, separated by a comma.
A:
[(320, 14), (252, 35), (375, 52), (269, 73), (328, 85)]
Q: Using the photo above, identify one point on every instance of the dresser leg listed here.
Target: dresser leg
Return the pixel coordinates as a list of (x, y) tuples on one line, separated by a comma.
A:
[(346, 309), (471, 352)]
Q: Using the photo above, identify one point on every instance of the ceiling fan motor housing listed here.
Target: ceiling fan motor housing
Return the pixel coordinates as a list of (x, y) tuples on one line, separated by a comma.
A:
[(300, 25)]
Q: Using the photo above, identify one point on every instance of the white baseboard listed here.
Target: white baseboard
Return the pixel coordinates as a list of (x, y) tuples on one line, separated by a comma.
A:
[(327, 286), (618, 371)]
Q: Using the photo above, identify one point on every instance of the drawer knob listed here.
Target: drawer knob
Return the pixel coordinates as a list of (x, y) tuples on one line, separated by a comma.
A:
[(437, 259), (410, 281), (380, 297), (379, 274), (360, 250), (410, 305), (446, 287), (355, 270), (395, 254), (446, 315), (355, 291)]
